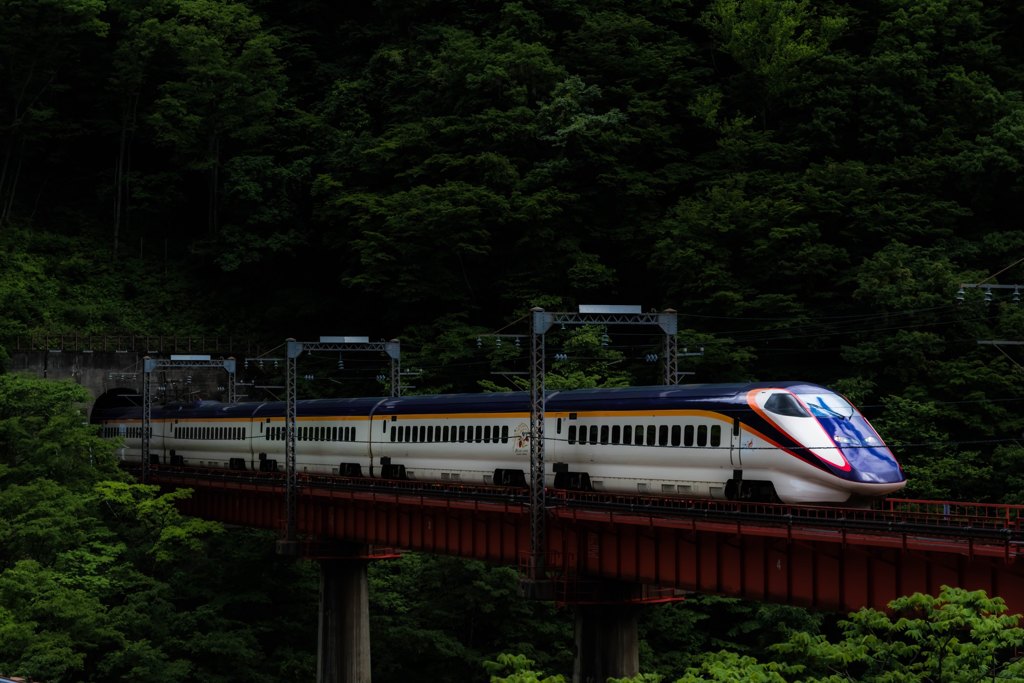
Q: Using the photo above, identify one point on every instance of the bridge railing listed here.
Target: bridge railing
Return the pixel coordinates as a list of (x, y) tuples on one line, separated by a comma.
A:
[(976, 515)]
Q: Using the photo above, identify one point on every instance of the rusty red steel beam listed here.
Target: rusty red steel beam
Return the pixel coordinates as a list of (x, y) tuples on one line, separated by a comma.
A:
[(827, 568)]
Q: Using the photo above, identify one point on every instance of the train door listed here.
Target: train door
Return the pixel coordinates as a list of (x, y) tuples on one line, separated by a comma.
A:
[(735, 444)]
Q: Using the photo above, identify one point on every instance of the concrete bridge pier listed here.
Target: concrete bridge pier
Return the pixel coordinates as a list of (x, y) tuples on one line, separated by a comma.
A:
[(607, 643), (343, 650)]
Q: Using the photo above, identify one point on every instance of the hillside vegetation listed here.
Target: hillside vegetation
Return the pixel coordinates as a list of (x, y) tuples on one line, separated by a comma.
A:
[(808, 183)]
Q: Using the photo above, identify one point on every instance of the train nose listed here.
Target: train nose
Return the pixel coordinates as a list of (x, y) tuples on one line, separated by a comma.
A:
[(869, 458)]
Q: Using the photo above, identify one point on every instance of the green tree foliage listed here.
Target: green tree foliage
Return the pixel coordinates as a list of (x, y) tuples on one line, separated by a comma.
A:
[(103, 579), (807, 183), (958, 636), (507, 668), (448, 633)]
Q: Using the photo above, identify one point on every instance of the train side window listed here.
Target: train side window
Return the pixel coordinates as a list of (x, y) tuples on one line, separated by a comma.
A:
[(572, 434), (716, 435), (487, 434), (444, 434), (593, 434), (616, 434), (785, 404), (663, 435), (351, 433), (462, 433), (604, 434), (677, 435), (504, 433), (479, 433), (702, 435), (638, 436), (688, 436), (652, 435), (627, 434), (558, 427)]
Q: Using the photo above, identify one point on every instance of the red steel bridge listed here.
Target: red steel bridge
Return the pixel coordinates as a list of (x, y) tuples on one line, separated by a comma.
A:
[(824, 558)]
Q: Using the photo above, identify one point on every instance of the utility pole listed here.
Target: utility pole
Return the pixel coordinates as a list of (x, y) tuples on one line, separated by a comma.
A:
[(294, 350), (175, 361), (540, 322), (988, 296)]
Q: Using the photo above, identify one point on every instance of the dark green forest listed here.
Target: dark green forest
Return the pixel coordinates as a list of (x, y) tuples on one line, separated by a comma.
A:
[(808, 183)]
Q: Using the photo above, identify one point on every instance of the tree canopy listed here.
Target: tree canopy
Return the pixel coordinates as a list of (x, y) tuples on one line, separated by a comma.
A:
[(809, 183)]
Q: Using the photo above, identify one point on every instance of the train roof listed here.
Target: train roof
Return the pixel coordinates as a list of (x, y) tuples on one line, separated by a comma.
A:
[(122, 404)]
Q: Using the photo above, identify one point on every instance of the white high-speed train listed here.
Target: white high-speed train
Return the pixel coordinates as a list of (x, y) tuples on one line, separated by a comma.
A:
[(788, 441)]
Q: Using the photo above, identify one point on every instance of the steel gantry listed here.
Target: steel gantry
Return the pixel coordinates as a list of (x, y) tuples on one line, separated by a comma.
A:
[(174, 362), (294, 350), (540, 322)]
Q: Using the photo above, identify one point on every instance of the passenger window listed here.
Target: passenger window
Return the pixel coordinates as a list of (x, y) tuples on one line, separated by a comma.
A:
[(688, 436), (604, 434), (487, 434), (627, 434), (638, 436), (444, 434), (616, 434), (593, 434), (462, 434), (651, 435), (716, 435), (663, 435), (572, 434), (702, 435), (676, 435), (504, 433)]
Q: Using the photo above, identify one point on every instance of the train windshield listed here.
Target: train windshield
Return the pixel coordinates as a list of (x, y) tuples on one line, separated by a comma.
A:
[(828, 405)]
